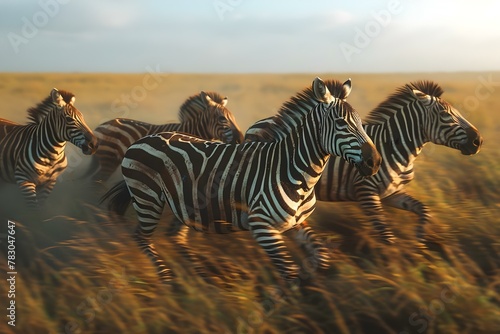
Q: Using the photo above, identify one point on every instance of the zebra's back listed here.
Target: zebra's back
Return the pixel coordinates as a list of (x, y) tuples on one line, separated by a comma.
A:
[(115, 137), (215, 184), (6, 126), (120, 133)]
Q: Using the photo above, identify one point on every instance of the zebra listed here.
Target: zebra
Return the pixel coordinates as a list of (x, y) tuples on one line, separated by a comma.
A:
[(6, 126), (400, 126), (32, 155), (267, 188), (204, 115)]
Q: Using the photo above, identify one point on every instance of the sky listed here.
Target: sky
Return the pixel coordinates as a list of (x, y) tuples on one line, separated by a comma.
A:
[(249, 36)]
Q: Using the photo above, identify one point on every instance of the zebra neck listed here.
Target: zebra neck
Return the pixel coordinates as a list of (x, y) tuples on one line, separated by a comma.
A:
[(396, 142), (305, 160), (194, 127), (48, 138), (166, 127)]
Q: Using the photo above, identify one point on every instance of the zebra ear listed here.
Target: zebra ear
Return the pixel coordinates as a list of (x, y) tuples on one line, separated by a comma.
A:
[(72, 101), (347, 86), (207, 99), (422, 97), (224, 101), (57, 98), (320, 91)]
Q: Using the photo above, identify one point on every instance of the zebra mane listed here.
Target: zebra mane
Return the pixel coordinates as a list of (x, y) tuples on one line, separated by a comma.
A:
[(194, 105), (291, 113), (38, 113), (385, 109)]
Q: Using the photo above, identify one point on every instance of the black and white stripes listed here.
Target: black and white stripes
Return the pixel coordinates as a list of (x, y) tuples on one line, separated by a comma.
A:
[(203, 115), (267, 188), (400, 126), (32, 155)]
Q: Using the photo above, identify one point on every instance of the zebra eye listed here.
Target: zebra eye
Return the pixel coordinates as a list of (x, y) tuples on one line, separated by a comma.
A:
[(445, 115), (69, 119), (341, 121)]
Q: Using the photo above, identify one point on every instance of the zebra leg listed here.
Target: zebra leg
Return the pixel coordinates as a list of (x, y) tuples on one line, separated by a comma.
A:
[(271, 240), (179, 231), (149, 210), (306, 237), (43, 192), (146, 245), (28, 189), (406, 202), (372, 208)]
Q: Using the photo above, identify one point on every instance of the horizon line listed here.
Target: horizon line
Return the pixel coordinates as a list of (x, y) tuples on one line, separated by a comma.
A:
[(250, 73)]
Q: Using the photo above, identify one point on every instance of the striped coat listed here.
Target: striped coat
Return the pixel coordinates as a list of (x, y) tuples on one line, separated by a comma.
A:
[(267, 188), (204, 115), (32, 155), (400, 127)]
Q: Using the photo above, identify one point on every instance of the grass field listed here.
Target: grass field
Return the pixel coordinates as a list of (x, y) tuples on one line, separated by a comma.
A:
[(79, 271)]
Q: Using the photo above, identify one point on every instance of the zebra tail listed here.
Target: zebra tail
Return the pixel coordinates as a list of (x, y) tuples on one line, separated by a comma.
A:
[(119, 198)]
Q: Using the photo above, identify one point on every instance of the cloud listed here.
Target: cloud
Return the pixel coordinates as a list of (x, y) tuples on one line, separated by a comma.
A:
[(278, 36)]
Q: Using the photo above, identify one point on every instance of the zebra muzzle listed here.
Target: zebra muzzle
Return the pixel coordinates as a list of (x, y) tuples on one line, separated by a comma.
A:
[(473, 143), (90, 145), (371, 160)]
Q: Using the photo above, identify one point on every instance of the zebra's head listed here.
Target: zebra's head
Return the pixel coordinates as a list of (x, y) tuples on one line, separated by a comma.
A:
[(443, 124), (342, 133), (219, 122), (74, 128)]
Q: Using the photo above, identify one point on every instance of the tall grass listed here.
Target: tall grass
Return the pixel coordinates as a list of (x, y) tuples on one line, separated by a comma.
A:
[(79, 270)]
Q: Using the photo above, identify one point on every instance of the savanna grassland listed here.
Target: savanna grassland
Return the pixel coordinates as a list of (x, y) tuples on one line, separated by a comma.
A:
[(79, 271)]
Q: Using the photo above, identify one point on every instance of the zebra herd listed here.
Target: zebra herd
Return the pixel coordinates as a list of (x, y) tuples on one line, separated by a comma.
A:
[(203, 115), (216, 180)]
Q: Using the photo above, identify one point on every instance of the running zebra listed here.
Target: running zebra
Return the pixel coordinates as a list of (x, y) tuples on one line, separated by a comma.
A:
[(267, 188), (400, 127), (203, 115), (32, 155)]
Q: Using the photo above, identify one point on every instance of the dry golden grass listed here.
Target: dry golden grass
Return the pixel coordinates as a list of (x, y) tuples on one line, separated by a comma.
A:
[(80, 272)]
